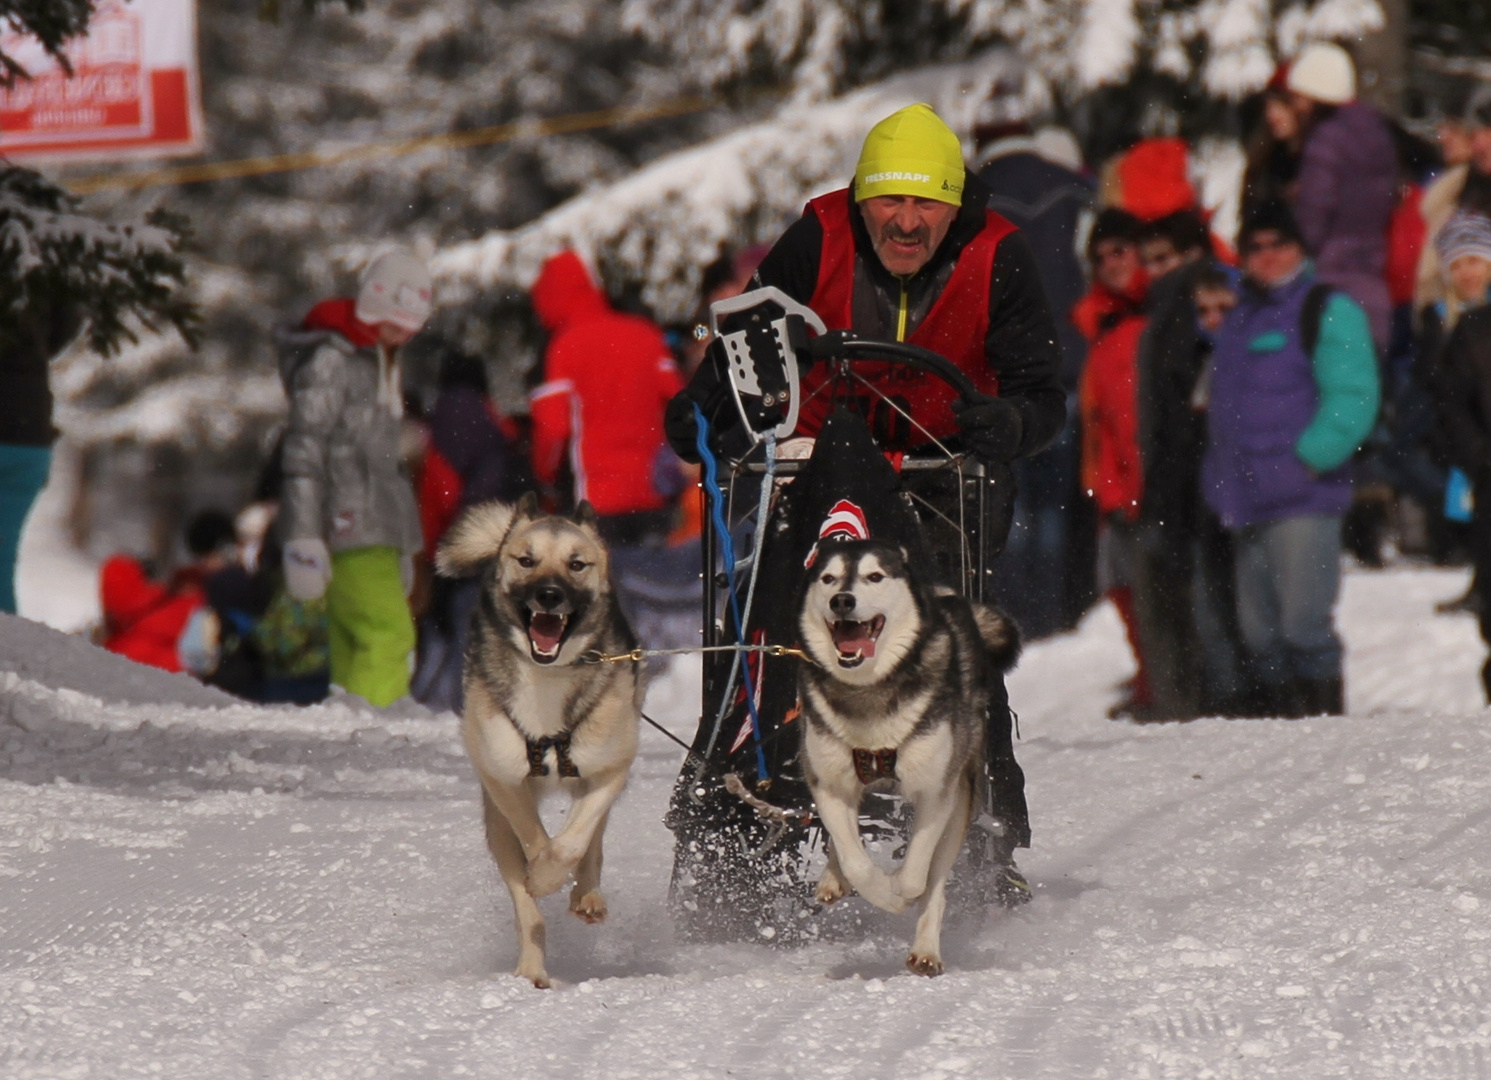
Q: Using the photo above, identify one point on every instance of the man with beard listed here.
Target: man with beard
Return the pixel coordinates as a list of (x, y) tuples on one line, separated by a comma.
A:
[(909, 252)]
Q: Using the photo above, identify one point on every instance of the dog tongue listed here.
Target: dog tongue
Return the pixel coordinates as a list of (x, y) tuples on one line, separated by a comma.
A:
[(853, 637), (544, 631)]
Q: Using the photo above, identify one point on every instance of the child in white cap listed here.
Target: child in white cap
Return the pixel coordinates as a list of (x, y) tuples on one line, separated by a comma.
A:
[(1461, 381), (348, 513)]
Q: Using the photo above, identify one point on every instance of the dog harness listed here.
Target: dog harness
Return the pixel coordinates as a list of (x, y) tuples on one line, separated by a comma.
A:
[(537, 748), (872, 765)]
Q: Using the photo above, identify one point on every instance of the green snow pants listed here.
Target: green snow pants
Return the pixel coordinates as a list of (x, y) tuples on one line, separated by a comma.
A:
[(371, 629)]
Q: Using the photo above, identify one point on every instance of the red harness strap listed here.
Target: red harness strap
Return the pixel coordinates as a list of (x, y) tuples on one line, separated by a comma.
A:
[(955, 327), (872, 765)]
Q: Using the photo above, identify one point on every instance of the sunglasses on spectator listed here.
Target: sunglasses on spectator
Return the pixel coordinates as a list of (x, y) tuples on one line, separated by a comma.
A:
[(1207, 310)]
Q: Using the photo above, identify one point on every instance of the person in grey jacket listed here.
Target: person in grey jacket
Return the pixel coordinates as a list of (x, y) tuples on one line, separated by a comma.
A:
[(347, 510)]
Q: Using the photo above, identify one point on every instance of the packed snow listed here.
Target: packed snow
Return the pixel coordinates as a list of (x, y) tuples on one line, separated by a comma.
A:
[(193, 887)]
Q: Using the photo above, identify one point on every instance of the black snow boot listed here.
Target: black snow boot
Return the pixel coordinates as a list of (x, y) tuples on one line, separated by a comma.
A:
[(1010, 887), (986, 872), (1284, 700), (1322, 697)]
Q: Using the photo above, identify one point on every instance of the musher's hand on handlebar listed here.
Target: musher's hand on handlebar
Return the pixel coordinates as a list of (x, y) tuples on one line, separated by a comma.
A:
[(991, 428)]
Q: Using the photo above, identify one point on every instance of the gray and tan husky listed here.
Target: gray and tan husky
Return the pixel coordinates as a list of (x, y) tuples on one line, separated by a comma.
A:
[(895, 699), (539, 718)]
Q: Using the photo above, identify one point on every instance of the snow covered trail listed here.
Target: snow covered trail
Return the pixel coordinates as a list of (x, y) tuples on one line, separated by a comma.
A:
[(190, 888)]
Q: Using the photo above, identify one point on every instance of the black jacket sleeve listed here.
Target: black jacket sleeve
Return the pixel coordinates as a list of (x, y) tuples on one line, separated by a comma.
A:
[(792, 263), (1428, 354), (1022, 346), (1466, 396), (792, 266)]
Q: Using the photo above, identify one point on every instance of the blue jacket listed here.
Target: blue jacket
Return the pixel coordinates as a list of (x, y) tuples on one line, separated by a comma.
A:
[(1284, 423)]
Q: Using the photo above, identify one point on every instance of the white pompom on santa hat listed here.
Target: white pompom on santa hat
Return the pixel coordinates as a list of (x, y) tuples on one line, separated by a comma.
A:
[(396, 288)]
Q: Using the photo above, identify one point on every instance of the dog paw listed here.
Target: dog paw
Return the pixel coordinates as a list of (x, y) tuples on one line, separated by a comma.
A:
[(547, 874), (590, 906), (539, 979), (928, 964), (830, 889)]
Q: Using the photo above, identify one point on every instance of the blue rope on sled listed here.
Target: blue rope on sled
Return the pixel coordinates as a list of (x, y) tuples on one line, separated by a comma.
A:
[(727, 551)]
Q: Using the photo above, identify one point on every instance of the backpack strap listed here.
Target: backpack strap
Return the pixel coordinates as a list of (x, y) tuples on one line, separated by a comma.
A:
[(1311, 315)]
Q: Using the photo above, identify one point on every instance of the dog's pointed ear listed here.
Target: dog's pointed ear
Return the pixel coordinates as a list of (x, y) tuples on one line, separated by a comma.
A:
[(474, 540), (528, 505), (584, 514)]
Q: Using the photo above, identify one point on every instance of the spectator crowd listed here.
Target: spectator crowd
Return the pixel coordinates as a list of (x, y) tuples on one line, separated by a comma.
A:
[(1242, 410), (1248, 408)]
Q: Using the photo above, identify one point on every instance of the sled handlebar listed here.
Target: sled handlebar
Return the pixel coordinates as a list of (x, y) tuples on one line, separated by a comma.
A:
[(846, 345)]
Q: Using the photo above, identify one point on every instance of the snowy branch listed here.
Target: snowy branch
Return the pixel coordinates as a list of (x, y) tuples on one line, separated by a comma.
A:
[(53, 257), (666, 221), (51, 22), (821, 47)]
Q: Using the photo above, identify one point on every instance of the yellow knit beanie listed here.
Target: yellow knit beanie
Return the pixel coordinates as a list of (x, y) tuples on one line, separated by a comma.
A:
[(911, 152)]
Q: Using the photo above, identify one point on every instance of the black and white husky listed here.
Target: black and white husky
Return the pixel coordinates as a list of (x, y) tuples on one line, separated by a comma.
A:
[(895, 698), (539, 718)]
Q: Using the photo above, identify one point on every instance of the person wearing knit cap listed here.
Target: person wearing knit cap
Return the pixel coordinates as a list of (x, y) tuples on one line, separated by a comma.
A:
[(1348, 180), (1271, 216), (1459, 374), (1462, 128), (1322, 72), (909, 251), (877, 256), (1294, 392), (1467, 234), (347, 513), (1461, 251)]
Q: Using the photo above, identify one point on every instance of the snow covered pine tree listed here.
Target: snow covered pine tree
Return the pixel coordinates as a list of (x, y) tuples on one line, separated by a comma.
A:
[(61, 273)]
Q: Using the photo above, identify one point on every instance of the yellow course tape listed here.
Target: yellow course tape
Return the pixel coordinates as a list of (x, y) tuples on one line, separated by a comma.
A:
[(453, 140)]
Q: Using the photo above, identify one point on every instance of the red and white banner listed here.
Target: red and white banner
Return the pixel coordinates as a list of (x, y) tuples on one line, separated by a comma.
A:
[(132, 93)]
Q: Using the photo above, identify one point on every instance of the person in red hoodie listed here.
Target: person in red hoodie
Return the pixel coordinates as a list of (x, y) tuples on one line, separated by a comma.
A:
[(148, 620), (607, 378), (143, 619), (1111, 316)]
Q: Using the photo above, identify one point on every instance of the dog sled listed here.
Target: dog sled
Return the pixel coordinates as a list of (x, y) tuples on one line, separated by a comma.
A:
[(748, 849)]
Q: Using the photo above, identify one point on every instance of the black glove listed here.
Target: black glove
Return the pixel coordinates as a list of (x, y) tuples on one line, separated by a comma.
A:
[(991, 427), (680, 427)]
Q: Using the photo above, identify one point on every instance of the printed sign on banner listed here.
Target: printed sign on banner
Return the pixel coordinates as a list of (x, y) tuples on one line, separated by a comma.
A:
[(132, 93)]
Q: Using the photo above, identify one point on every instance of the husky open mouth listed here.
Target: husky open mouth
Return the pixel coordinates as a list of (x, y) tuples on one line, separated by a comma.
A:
[(545, 635), (855, 640)]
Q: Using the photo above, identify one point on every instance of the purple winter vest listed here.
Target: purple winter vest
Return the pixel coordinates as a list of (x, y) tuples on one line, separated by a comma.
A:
[(1263, 396)]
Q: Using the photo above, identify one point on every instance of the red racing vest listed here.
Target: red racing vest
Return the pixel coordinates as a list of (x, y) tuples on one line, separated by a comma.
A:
[(955, 327)]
